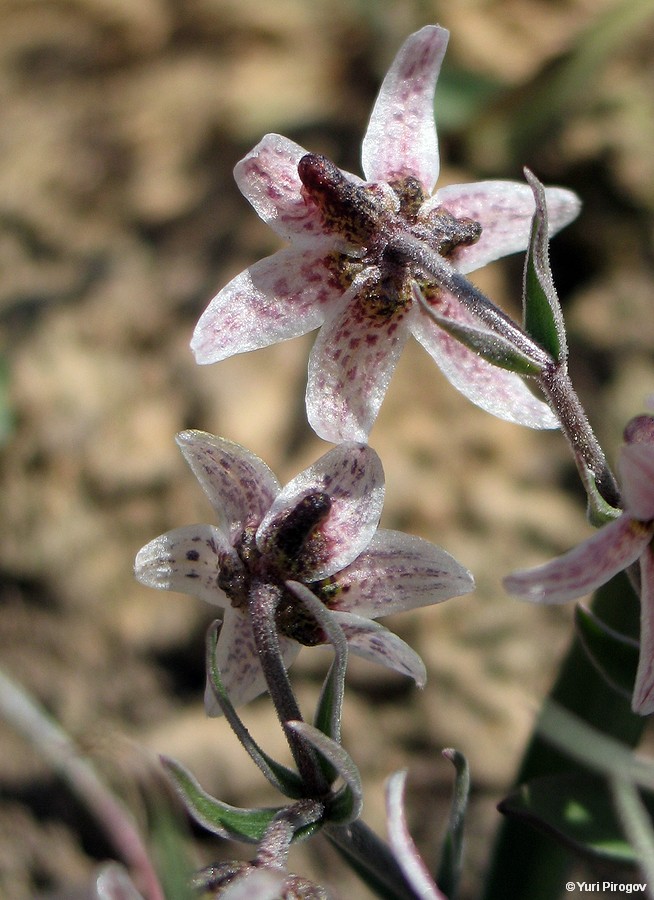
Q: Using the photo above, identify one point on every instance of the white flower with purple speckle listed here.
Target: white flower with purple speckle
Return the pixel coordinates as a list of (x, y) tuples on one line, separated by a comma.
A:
[(321, 531), (340, 273)]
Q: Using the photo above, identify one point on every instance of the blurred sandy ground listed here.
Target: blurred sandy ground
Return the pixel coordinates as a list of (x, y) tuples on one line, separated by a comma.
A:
[(119, 219)]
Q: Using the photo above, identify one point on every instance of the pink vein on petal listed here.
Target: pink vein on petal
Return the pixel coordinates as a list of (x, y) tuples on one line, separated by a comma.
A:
[(505, 210), (401, 137), (268, 178), (277, 298), (350, 367), (396, 572), (583, 569), (239, 485), (377, 644)]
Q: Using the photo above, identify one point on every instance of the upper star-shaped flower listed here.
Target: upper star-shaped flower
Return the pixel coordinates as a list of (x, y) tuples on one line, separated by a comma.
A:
[(613, 548), (321, 531), (340, 273)]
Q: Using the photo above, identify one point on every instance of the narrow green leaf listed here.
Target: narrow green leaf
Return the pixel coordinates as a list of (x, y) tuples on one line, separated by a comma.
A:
[(492, 347), (248, 825), (527, 863), (168, 834), (614, 655), (346, 805), (576, 810), (371, 858), (636, 822), (593, 749), (7, 417), (449, 870), (282, 778), (543, 319)]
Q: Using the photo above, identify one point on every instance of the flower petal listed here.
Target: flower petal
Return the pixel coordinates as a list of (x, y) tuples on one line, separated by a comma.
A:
[(186, 560), (373, 642), (505, 210), (401, 137), (402, 845), (643, 698), (502, 393), (352, 476), (268, 177), (395, 572), (263, 883), (279, 297), (351, 365), (239, 485), (580, 571), (637, 474), (238, 662)]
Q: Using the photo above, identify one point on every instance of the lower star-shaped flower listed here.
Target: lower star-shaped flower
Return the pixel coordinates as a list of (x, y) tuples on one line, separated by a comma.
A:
[(321, 531), (342, 273)]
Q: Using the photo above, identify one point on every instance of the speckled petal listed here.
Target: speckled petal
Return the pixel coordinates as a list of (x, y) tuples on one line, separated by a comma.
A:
[(637, 479), (350, 368), (377, 644), (401, 137), (185, 560), (496, 390), (352, 476), (580, 571), (277, 298), (643, 699), (505, 210), (268, 177), (395, 572), (239, 485), (238, 662)]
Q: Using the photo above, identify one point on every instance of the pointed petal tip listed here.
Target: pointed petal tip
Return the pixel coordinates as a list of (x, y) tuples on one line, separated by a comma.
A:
[(401, 136)]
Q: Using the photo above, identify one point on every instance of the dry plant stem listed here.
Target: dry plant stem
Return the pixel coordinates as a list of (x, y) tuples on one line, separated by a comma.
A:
[(553, 380), (56, 747), (263, 602)]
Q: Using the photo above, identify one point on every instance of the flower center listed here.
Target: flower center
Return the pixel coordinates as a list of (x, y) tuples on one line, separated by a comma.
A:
[(366, 218), (292, 548)]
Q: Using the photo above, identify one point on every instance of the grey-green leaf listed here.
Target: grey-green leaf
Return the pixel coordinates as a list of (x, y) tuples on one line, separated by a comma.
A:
[(543, 319)]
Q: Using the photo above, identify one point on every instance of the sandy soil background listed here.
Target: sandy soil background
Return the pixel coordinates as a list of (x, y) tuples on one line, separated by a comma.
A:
[(119, 219)]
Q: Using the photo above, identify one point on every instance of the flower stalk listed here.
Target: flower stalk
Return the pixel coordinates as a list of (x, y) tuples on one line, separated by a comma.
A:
[(263, 602)]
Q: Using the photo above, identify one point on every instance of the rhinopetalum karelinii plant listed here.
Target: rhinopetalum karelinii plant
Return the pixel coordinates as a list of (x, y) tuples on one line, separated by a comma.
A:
[(347, 269), (370, 262), (320, 530)]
